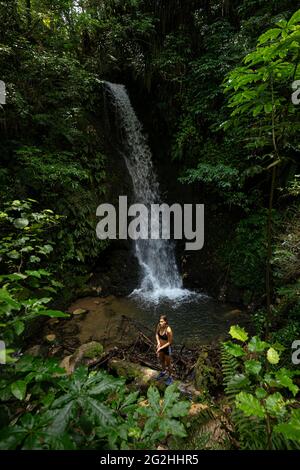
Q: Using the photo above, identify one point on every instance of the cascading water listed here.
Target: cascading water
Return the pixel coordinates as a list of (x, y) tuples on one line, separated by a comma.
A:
[(160, 276)]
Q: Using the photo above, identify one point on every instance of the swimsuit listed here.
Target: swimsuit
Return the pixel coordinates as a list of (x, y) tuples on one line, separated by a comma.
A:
[(167, 351), (165, 336)]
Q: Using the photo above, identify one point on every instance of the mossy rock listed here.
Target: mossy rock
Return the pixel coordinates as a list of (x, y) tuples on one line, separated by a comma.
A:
[(141, 377), (86, 354), (91, 350), (125, 369)]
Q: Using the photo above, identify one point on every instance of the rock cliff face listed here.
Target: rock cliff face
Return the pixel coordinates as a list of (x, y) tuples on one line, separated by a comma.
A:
[(117, 271), (204, 269)]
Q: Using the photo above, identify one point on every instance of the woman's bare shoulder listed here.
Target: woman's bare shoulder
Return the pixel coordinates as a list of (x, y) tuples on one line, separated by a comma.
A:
[(169, 329)]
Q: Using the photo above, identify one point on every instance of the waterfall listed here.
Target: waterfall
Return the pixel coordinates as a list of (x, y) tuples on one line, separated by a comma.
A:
[(160, 276)]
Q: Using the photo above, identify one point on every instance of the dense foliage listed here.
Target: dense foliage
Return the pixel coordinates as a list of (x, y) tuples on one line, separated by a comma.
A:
[(216, 78), (26, 287), (264, 392), (49, 409), (84, 411)]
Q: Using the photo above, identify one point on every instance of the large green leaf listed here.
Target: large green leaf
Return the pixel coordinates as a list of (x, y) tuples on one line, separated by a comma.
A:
[(295, 18), (256, 345), (61, 401), (154, 399), (270, 380), (7, 298), (19, 327), (18, 389), (14, 254), (53, 313), (235, 350), (238, 381), (21, 223), (178, 409), (46, 249), (107, 385), (172, 427), (13, 277), (100, 413), (129, 401), (150, 426), (27, 249), (61, 418), (272, 356), (39, 369), (291, 429), (146, 411), (275, 405), (253, 367), (270, 34), (39, 273), (260, 393), (268, 107), (249, 404), (238, 333), (171, 396), (285, 380), (34, 259)]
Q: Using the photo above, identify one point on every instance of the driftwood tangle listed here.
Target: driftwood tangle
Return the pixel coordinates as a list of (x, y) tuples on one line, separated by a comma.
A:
[(142, 350)]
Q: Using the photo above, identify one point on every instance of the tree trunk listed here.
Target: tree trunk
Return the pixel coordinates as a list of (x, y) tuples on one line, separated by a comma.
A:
[(269, 280), (269, 283)]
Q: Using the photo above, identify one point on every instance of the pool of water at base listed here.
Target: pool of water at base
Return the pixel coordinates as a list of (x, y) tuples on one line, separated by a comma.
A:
[(195, 320)]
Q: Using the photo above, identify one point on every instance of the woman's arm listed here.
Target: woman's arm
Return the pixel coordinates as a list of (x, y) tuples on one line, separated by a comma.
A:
[(170, 336)]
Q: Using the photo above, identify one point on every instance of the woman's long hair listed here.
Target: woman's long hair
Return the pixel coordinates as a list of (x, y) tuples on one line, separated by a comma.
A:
[(162, 317)]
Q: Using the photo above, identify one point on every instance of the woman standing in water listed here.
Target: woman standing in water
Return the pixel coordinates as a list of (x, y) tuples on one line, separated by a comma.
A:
[(164, 339)]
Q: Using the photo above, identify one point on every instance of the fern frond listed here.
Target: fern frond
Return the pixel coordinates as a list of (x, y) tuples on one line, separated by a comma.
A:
[(230, 368)]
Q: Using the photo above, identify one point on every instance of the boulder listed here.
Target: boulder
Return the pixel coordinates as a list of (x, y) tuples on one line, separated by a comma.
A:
[(35, 351), (90, 350), (86, 354), (233, 313), (68, 364), (50, 338), (142, 376), (79, 311)]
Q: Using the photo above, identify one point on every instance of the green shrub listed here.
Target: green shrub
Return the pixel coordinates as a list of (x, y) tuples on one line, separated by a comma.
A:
[(263, 394)]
